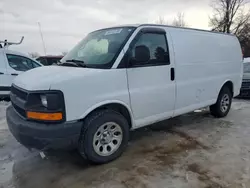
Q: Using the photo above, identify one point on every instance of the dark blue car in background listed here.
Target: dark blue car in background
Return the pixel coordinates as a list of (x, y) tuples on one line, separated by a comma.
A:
[(245, 87)]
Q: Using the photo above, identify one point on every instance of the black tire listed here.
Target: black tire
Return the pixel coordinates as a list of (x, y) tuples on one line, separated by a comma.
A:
[(91, 124), (217, 109)]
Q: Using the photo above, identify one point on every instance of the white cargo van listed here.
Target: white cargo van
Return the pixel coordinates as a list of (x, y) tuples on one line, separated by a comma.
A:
[(123, 78)]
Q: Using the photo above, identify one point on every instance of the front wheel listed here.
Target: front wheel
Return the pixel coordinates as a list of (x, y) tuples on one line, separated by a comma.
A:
[(104, 137), (223, 104)]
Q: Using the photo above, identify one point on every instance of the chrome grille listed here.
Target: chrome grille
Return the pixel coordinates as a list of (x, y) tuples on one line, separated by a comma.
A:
[(19, 93), (18, 99)]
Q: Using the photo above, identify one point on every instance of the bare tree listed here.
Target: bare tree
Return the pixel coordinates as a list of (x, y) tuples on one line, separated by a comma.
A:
[(229, 16), (244, 38), (179, 21), (233, 16), (34, 55), (161, 20)]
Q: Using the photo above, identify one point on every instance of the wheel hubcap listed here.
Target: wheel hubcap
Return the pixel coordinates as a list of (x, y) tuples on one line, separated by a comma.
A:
[(225, 102), (107, 139)]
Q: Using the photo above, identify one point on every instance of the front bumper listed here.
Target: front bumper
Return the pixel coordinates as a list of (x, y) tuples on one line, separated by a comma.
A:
[(43, 136)]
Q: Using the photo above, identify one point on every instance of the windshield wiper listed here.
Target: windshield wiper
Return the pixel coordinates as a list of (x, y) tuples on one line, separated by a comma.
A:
[(78, 63), (75, 61)]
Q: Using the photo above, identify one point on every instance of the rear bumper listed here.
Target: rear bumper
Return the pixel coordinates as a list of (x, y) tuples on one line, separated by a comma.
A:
[(43, 136), (245, 88), (244, 93), (4, 94)]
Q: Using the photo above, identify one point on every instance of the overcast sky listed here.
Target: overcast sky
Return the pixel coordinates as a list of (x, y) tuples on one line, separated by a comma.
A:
[(65, 22)]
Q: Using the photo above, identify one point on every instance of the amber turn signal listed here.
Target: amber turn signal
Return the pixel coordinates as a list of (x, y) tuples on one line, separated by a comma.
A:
[(45, 116)]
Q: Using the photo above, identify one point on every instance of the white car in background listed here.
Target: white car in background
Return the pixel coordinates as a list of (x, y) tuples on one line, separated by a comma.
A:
[(12, 63)]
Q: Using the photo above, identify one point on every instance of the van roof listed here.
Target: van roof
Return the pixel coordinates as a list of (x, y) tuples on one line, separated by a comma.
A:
[(7, 51), (161, 25)]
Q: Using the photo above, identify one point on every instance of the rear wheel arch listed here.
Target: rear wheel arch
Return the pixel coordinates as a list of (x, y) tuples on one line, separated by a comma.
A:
[(229, 85), (223, 103)]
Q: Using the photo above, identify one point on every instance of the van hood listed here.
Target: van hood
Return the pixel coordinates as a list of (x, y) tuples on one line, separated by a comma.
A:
[(43, 77)]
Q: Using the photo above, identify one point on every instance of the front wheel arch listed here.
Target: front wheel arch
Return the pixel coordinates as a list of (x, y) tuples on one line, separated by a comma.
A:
[(117, 106)]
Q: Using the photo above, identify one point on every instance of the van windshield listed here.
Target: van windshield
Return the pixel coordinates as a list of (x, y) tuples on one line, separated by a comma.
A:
[(99, 49)]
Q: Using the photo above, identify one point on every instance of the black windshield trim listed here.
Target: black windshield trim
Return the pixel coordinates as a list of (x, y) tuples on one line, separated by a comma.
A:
[(110, 64), (119, 27)]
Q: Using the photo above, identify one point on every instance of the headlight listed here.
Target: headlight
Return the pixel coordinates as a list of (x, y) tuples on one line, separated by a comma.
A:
[(44, 100), (46, 106)]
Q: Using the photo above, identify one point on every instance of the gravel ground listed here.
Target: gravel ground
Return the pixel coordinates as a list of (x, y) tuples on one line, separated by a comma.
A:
[(190, 151)]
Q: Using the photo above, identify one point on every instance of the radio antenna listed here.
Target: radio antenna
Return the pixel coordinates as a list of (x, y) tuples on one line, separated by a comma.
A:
[(40, 30)]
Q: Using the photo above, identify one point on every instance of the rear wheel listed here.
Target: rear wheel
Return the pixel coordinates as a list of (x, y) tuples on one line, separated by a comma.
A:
[(223, 104), (104, 137)]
